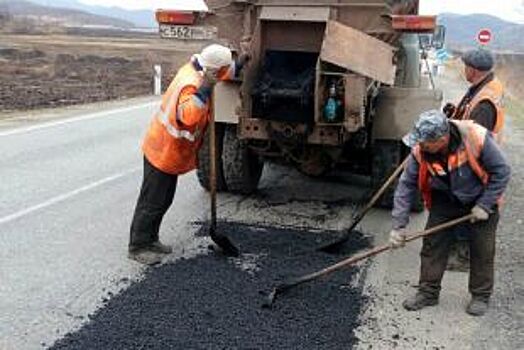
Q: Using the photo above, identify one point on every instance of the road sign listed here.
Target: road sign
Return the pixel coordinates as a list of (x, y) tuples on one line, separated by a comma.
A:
[(484, 36)]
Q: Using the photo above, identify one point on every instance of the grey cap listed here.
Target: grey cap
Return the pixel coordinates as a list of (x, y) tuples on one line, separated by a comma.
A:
[(430, 125), (480, 59)]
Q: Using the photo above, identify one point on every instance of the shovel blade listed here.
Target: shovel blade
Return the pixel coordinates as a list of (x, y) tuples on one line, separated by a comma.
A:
[(335, 246), (227, 247)]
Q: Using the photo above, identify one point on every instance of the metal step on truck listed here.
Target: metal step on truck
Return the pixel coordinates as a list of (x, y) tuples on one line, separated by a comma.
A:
[(330, 84)]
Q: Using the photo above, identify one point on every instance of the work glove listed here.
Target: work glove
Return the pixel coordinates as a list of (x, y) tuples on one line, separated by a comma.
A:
[(479, 214), (397, 238), (449, 109)]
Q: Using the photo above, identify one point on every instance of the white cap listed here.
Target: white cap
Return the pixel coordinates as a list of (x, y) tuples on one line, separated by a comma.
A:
[(215, 56)]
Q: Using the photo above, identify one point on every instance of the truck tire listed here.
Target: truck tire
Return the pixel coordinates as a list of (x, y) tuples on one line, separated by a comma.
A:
[(387, 155), (204, 164), (242, 168)]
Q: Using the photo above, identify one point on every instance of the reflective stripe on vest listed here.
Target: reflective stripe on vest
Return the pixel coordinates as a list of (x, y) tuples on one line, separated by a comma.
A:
[(187, 76), (170, 145), (163, 118)]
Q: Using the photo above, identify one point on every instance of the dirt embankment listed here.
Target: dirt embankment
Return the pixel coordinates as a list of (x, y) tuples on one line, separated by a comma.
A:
[(51, 71)]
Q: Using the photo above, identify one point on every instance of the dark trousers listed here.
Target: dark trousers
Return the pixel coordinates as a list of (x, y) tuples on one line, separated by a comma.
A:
[(435, 249), (156, 196)]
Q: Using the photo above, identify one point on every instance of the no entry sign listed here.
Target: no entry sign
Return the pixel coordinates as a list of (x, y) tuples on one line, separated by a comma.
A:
[(484, 36)]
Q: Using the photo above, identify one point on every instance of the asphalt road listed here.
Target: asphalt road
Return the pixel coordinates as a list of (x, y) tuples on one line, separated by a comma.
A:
[(67, 193), (70, 181), (69, 184)]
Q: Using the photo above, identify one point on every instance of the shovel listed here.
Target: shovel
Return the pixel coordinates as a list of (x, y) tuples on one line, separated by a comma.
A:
[(220, 240), (281, 288), (334, 246)]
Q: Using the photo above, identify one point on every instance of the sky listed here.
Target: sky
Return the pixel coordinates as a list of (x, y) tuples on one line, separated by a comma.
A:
[(510, 10)]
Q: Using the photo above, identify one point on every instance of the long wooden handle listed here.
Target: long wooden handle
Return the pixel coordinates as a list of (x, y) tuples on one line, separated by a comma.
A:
[(379, 193), (213, 165), (377, 250), (364, 210)]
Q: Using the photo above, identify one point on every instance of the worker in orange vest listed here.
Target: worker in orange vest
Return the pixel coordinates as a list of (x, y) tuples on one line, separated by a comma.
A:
[(482, 103), (458, 168), (172, 142)]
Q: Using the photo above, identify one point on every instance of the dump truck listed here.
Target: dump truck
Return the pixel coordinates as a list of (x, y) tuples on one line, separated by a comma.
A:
[(330, 85)]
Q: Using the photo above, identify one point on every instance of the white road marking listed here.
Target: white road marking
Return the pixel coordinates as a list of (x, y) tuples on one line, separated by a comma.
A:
[(75, 119), (65, 196)]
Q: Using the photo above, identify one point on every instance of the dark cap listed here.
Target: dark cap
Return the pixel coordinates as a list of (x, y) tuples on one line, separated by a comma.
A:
[(430, 126), (480, 59)]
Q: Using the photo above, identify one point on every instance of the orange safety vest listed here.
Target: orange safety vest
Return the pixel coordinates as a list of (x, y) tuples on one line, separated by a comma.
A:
[(169, 145), (494, 93), (473, 136)]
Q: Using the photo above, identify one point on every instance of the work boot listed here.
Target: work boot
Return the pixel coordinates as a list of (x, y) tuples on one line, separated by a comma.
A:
[(419, 301), (477, 306), (158, 247), (146, 256)]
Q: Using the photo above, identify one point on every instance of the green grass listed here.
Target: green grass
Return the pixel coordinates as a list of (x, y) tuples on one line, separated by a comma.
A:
[(515, 109)]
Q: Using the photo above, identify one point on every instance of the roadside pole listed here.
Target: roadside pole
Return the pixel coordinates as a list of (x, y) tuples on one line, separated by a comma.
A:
[(157, 80)]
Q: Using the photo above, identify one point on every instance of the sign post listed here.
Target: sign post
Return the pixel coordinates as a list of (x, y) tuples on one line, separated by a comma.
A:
[(484, 36)]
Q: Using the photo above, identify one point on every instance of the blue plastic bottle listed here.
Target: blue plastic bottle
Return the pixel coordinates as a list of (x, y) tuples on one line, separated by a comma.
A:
[(332, 105)]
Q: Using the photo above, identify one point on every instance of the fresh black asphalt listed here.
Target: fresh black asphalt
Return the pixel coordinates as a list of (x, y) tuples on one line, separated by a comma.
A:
[(214, 302)]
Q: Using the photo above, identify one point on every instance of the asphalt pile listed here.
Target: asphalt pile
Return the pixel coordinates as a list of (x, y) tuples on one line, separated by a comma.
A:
[(214, 302)]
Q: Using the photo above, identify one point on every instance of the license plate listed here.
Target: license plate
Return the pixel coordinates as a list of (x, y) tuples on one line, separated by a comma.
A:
[(187, 32)]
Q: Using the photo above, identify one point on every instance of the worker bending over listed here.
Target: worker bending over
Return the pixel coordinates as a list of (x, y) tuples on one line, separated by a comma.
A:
[(459, 169), (172, 142)]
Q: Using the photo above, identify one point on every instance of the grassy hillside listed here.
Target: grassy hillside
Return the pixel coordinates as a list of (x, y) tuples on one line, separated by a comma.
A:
[(462, 31), (25, 11)]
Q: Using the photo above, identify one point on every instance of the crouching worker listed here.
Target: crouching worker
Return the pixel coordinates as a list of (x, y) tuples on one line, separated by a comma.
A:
[(459, 169), (172, 142)]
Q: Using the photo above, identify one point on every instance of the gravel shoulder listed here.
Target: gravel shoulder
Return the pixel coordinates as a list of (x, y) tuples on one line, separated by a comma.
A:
[(392, 277)]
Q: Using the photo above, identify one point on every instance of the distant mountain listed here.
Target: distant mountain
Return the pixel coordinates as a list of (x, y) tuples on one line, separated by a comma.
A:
[(140, 18), (462, 31), (21, 9)]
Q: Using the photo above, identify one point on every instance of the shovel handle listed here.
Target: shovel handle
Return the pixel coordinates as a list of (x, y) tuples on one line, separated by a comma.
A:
[(379, 192), (377, 250), (364, 210), (212, 165)]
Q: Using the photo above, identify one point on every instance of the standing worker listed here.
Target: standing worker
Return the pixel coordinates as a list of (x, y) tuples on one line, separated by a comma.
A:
[(172, 142), (459, 169), (482, 103)]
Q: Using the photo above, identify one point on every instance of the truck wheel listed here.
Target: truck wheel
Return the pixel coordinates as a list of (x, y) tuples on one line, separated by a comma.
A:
[(242, 168), (204, 164), (387, 155)]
